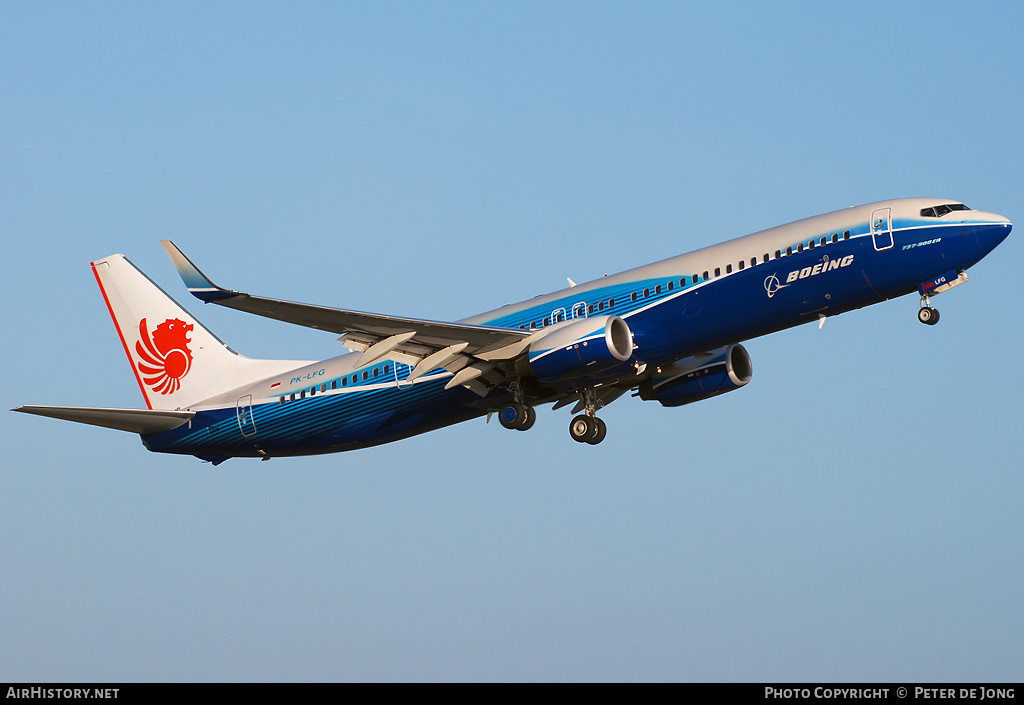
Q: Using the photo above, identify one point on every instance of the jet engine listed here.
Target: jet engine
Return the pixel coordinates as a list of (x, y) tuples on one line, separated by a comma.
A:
[(700, 377), (580, 348)]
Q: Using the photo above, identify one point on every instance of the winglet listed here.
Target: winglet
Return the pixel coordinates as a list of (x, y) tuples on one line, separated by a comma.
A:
[(199, 285)]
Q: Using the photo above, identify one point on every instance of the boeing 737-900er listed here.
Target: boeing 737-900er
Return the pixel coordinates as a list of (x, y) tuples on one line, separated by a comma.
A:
[(670, 331)]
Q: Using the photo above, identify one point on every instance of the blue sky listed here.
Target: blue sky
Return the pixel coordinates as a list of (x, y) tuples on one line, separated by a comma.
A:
[(853, 514)]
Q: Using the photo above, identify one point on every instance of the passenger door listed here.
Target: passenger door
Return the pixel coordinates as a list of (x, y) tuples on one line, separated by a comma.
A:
[(243, 410), (881, 228)]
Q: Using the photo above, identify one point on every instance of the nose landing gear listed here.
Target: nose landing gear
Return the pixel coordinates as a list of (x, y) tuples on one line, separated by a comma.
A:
[(926, 314)]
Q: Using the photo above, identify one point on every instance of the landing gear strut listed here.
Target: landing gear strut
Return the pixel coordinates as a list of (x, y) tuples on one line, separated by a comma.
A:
[(587, 428), (926, 314)]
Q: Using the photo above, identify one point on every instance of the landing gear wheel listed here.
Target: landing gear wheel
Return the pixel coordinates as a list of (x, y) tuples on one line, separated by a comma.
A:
[(516, 416), (600, 431), (581, 428), (928, 315), (528, 419), (512, 415)]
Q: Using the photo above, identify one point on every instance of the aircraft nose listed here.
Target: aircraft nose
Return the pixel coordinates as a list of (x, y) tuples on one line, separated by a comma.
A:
[(993, 232)]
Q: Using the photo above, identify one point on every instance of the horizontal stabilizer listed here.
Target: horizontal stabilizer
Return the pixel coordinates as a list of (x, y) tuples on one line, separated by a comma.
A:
[(141, 421)]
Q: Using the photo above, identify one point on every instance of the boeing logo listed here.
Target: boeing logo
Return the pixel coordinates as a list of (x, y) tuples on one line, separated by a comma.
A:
[(772, 283), (824, 266)]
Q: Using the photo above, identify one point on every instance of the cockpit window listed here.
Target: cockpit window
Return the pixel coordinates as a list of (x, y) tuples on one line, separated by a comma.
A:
[(939, 211)]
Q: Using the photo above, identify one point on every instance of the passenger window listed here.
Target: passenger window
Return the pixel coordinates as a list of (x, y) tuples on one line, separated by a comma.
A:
[(344, 381), (600, 305), (846, 234), (810, 245), (657, 289), (835, 237), (800, 247), (281, 401), (323, 387), (728, 269), (789, 251), (387, 368), (647, 292), (611, 303), (590, 309), (366, 375), (292, 396), (334, 384), (376, 372), (766, 256), (312, 391), (718, 271), (682, 282), (742, 265), (632, 297), (705, 275), (547, 322), (822, 242), (778, 253), (670, 285), (302, 394)]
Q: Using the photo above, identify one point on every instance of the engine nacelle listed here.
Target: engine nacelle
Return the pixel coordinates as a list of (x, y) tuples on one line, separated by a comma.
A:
[(581, 348), (700, 377)]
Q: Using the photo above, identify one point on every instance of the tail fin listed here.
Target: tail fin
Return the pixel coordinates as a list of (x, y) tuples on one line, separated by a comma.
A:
[(177, 362)]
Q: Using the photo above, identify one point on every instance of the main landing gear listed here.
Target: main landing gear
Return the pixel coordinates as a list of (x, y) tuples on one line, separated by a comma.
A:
[(587, 428), (517, 416), (926, 314)]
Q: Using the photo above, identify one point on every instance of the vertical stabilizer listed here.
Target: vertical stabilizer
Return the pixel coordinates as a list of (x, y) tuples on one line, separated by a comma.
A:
[(177, 362)]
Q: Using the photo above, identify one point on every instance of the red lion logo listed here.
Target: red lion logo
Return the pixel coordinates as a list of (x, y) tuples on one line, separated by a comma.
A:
[(164, 356)]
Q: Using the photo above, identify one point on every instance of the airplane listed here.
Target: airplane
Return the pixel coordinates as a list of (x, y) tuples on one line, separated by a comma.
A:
[(670, 332)]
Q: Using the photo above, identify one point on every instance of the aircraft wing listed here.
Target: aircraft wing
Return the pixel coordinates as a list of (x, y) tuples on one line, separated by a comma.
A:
[(459, 348)]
